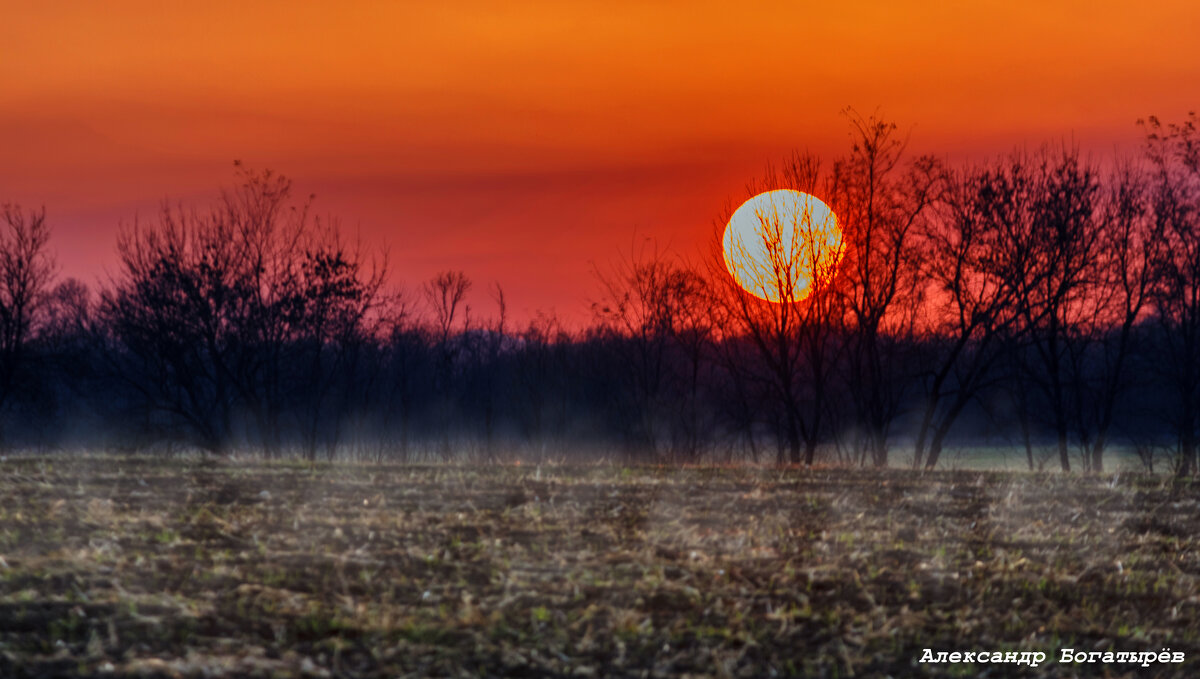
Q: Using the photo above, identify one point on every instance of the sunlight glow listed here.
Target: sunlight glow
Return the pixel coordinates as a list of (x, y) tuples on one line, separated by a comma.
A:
[(782, 245)]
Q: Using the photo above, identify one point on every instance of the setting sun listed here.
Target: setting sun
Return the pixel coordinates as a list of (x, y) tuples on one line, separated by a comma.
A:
[(781, 244)]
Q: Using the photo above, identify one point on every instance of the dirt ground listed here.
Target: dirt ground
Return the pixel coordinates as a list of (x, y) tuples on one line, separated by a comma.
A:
[(192, 568)]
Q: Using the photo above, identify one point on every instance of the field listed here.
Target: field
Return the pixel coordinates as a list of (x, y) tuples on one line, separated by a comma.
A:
[(197, 568)]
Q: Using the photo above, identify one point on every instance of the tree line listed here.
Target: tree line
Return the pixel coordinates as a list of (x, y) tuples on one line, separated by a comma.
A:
[(1043, 302)]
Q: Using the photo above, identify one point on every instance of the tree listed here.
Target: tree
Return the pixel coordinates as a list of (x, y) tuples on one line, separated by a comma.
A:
[(487, 348), (653, 311), (1174, 154), (1122, 282), (446, 295), (794, 339), (332, 314), (26, 269), (1057, 303), (976, 264), (408, 370), (213, 313), (880, 202), (544, 380)]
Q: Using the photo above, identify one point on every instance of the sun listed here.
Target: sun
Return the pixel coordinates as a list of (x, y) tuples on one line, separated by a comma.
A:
[(781, 245)]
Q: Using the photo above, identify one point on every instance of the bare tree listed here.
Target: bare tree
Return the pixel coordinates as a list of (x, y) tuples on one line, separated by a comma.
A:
[(446, 295), (651, 306), (693, 337), (333, 313), (880, 201), (976, 263), (543, 381), (213, 313), (26, 269), (794, 338), (1122, 282), (487, 347), (408, 368), (166, 316), (1059, 197), (1174, 152)]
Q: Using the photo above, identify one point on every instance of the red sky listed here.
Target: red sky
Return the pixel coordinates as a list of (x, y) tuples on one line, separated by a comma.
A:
[(526, 142)]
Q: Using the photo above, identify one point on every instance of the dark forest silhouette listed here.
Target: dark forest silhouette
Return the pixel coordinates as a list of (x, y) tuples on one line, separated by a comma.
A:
[(1038, 301)]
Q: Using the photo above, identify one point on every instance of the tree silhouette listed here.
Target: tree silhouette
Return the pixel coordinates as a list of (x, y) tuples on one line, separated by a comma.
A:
[(26, 269), (881, 201), (1059, 195), (1122, 283), (975, 272), (445, 295), (1174, 153), (212, 314), (652, 315), (793, 341)]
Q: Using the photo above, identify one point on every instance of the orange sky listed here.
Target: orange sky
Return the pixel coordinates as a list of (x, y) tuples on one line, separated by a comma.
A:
[(524, 141)]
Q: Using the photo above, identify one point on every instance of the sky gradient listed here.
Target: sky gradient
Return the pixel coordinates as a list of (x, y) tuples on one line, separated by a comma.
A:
[(526, 143)]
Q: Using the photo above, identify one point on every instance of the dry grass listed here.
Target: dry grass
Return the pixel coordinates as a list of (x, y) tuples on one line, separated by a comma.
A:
[(167, 568)]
